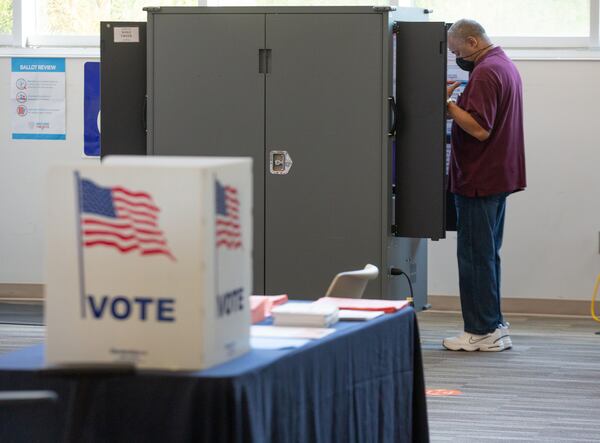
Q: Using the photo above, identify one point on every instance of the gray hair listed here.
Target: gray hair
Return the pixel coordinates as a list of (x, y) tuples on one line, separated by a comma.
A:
[(464, 28)]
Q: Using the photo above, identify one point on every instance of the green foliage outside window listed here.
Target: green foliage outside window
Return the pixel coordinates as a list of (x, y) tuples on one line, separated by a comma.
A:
[(82, 17), (6, 19)]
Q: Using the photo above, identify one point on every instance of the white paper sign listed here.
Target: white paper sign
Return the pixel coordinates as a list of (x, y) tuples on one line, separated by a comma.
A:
[(127, 34), (147, 265), (37, 100)]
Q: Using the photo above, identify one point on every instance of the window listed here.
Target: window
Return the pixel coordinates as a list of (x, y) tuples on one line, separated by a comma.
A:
[(552, 23), (82, 17), (6, 17), (307, 2), (511, 23)]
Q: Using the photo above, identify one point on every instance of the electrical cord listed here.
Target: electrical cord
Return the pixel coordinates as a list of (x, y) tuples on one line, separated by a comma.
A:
[(398, 271)]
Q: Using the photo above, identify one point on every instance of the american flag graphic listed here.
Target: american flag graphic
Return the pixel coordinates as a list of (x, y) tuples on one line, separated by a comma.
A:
[(122, 219), (228, 230)]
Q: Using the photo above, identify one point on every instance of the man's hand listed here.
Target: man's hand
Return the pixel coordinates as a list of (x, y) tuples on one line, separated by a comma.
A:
[(451, 87), (463, 118), (467, 122)]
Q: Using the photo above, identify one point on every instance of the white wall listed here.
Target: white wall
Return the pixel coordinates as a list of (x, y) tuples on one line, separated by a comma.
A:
[(23, 167), (551, 233), (551, 237)]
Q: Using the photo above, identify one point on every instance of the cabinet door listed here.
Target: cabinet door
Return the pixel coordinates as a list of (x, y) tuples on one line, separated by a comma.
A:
[(420, 159), (208, 96), (324, 105), (122, 89)]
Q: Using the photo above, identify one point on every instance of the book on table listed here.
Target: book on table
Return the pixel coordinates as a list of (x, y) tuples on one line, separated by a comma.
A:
[(305, 314)]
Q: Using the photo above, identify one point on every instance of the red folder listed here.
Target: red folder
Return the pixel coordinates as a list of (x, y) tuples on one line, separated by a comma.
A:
[(266, 303), (257, 309), (365, 304)]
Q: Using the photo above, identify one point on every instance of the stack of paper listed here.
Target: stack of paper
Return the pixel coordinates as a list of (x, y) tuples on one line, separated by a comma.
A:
[(287, 332), (354, 315), (277, 343), (320, 315), (363, 304)]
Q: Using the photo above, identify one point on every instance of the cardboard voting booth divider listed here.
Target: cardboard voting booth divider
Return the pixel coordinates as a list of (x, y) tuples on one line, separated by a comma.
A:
[(149, 262)]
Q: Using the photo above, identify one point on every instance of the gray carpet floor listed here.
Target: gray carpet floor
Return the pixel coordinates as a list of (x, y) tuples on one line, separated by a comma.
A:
[(21, 313), (545, 389)]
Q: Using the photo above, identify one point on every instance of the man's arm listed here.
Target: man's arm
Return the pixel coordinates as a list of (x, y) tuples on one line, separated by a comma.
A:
[(467, 122)]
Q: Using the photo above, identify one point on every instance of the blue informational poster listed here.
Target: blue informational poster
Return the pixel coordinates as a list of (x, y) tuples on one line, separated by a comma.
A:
[(91, 109), (38, 104)]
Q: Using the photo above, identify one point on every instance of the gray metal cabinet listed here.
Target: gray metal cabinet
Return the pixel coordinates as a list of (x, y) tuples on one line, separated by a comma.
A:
[(317, 83), (323, 107), (207, 96)]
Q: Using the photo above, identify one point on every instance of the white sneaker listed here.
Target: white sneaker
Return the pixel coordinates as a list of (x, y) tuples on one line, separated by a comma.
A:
[(492, 342), (507, 340)]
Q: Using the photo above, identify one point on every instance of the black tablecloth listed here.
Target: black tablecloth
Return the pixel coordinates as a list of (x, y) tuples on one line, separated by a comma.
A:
[(364, 383)]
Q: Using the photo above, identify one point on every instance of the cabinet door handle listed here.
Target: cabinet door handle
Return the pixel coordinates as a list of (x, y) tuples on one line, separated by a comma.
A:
[(264, 61), (280, 162), (393, 115)]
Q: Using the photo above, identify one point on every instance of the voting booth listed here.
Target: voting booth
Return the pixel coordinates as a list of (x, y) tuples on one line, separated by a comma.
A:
[(149, 262), (343, 110)]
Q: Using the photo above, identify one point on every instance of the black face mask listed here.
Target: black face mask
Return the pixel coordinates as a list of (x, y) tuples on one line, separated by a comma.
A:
[(467, 65)]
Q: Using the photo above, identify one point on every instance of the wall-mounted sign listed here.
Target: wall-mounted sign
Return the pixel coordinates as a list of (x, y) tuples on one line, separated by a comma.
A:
[(37, 99)]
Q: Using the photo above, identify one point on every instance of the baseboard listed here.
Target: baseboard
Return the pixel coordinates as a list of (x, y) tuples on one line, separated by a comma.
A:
[(519, 305), (33, 292), (21, 291)]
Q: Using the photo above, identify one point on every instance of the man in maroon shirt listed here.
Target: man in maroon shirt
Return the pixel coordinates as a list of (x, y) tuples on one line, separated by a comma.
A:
[(487, 164)]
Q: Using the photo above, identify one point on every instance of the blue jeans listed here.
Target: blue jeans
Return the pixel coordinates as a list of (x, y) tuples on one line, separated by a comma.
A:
[(480, 226)]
